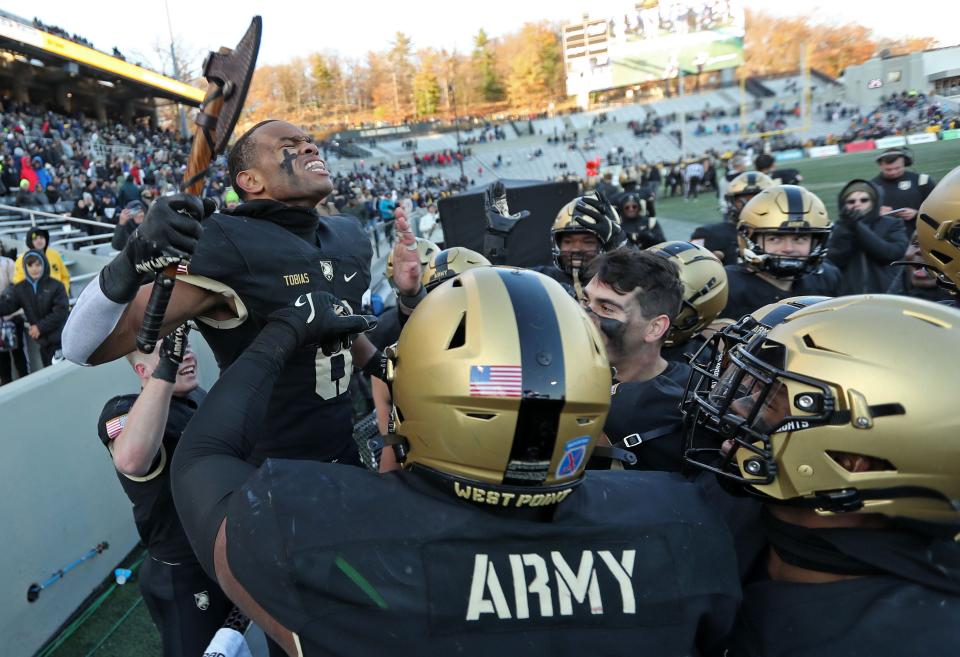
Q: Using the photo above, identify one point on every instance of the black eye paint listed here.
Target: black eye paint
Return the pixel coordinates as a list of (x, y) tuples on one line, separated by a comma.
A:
[(289, 155), (613, 329)]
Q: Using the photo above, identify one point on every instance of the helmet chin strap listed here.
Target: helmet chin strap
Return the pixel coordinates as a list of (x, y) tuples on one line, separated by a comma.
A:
[(577, 285)]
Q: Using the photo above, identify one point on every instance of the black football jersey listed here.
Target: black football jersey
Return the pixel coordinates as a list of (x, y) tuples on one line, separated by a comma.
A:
[(153, 511), (404, 568), (748, 292), (721, 237), (265, 266), (881, 616)]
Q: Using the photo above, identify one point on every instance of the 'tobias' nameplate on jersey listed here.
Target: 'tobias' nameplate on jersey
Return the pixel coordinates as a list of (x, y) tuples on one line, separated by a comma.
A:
[(516, 586)]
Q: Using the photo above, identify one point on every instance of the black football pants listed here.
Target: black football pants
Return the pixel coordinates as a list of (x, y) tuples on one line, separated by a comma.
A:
[(186, 606)]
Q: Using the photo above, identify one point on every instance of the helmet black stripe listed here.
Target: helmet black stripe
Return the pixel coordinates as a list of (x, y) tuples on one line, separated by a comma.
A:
[(440, 263), (751, 179), (543, 379), (794, 203)]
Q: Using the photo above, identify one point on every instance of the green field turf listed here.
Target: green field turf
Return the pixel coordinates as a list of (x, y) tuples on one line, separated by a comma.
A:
[(825, 177)]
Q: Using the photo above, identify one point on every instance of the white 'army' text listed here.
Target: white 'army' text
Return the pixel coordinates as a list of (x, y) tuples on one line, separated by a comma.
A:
[(487, 594)]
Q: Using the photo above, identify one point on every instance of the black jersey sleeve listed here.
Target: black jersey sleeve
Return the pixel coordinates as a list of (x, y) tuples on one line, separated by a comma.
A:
[(210, 461), (113, 417), (216, 256)]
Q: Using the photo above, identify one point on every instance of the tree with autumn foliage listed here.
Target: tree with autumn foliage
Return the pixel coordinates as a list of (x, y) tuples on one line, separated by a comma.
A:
[(772, 44)]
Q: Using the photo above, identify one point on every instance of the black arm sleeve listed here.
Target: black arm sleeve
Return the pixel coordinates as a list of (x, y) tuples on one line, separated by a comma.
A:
[(209, 464)]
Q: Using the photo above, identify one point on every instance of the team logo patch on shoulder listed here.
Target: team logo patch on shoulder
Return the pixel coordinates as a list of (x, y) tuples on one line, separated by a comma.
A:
[(116, 425), (496, 381), (326, 266), (574, 452)]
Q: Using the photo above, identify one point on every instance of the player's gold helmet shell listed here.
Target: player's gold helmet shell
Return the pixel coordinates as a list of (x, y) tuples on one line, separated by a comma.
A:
[(425, 251), (748, 183), (704, 288), (783, 209), (500, 385), (938, 230), (801, 403), (448, 263)]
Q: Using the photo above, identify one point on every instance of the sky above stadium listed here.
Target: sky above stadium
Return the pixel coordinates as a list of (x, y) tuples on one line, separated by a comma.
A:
[(353, 28)]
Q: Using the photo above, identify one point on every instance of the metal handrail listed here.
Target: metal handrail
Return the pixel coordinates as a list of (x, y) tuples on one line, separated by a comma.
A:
[(84, 238), (59, 217), (80, 278)]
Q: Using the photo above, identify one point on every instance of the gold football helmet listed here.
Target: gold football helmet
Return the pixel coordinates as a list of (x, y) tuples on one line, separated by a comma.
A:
[(425, 250), (938, 230), (448, 263), (743, 188), (704, 288), (815, 409), (564, 224), (783, 210), (500, 388)]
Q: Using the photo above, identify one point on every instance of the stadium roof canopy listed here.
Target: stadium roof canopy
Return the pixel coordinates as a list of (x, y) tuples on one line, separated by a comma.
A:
[(55, 59)]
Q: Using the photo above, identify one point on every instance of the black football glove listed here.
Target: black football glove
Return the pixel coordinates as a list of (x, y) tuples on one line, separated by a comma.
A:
[(499, 219), (849, 215), (168, 234), (172, 350), (319, 318), (599, 217)]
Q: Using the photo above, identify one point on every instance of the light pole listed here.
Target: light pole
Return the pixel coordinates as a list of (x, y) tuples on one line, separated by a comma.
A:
[(451, 87)]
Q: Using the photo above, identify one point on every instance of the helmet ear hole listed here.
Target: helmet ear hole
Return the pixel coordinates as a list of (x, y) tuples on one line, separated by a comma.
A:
[(460, 335), (942, 257)]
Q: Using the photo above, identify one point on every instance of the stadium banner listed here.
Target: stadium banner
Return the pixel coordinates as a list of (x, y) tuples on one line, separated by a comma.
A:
[(858, 146), (650, 41), (890, 142), (922, 138), (824, 151), (74, 52), (789, 154), (951, 134)]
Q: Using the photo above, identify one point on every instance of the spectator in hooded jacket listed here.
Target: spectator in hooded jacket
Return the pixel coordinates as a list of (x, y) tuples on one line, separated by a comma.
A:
[(38, 239), (43, 176), (11, 351), (44, 303), (864, 242)]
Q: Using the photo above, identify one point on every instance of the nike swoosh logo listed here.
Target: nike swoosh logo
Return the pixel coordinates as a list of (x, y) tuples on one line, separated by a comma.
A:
[(350, 277)]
